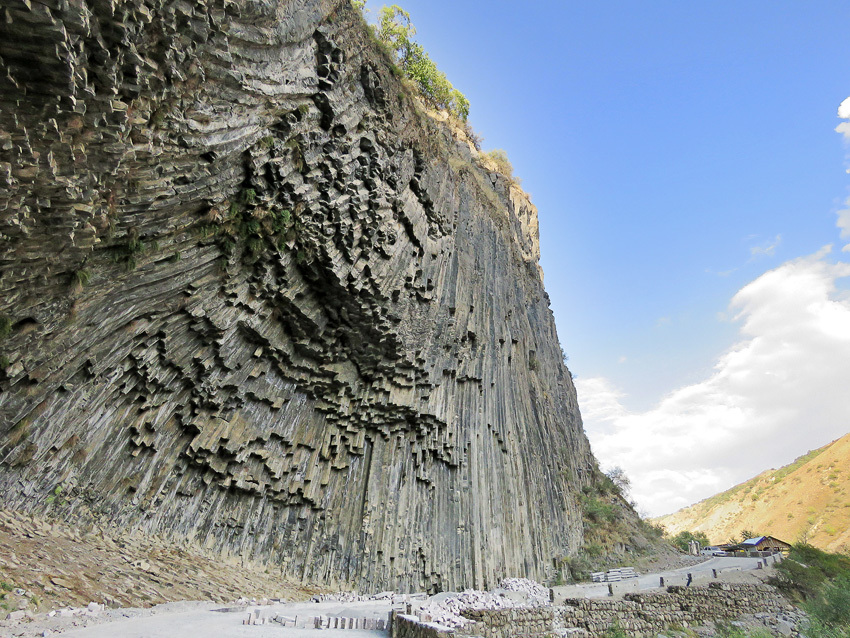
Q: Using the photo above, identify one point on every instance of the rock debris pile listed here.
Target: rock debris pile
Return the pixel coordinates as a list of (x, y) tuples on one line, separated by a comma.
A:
[(536, 594), (56, 566), (447, 609)]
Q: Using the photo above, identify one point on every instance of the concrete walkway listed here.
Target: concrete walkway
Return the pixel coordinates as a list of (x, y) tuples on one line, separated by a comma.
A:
[(202, 621), (702, 573)]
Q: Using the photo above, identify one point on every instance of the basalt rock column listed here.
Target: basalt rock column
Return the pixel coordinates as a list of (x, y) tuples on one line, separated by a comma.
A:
[(257, 299)]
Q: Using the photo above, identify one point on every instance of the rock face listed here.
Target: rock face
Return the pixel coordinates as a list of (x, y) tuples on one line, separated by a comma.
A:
[(253, 297)]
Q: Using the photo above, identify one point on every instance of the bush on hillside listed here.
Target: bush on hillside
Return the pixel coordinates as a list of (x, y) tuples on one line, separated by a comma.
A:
[(832, 603), (621, 481), (807, 570), (597, 510), (504, 165), (652, 530), (821, 582)]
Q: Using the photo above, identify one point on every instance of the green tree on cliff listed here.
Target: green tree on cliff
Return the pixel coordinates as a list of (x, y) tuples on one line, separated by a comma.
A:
[(396, 31)]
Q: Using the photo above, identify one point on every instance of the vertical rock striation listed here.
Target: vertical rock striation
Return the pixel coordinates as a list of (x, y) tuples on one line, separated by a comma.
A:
[(255, 298)]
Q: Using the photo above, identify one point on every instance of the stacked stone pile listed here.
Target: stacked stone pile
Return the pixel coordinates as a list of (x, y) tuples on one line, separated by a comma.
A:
[(91, 610), (613, 575), (536, 594), (453, 609), (340, 597), (244, 601), (352, 597), (449, 609), (407, 626), (597, 616)]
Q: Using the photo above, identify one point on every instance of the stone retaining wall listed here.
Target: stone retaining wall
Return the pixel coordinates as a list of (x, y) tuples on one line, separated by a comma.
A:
[(407, 626), (639, 614), (642, 614), (531, 622)]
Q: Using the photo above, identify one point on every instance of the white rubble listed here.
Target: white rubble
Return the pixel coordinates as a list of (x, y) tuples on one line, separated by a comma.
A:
[(538, 595), (446, 609), (93, 609)]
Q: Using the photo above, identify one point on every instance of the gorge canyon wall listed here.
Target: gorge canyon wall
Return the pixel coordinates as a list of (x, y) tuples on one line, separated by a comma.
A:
[(254, 297)]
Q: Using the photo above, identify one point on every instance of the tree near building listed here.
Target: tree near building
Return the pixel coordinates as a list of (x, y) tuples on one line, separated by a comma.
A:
[(682, 539)]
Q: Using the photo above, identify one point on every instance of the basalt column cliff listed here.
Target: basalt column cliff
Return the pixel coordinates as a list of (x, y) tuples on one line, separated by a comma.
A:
[(253, 296)]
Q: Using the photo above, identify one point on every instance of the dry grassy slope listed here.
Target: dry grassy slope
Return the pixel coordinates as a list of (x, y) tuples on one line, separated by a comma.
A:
[(807, 499)]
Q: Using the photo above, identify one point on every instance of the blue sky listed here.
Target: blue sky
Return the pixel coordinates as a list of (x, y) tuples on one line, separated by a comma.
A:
[(677, 152)]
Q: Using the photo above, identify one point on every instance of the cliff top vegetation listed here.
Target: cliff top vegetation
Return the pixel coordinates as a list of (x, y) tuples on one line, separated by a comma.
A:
[(395, 32)]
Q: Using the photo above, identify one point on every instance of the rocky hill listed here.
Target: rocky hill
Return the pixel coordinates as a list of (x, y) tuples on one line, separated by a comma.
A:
[(808, 499), (253, 297)]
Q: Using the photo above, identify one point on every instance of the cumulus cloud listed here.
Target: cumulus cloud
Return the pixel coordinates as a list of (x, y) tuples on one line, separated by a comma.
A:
[(778, 392), (844, 114)]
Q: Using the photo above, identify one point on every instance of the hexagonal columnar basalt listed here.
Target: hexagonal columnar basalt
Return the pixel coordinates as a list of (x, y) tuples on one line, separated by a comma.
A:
[(257, 298)]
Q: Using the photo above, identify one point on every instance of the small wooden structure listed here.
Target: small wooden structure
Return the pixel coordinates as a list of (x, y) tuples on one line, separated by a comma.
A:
[(763, 544)]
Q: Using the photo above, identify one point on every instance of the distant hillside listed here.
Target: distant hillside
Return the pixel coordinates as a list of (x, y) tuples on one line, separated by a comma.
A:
[(810, 498)]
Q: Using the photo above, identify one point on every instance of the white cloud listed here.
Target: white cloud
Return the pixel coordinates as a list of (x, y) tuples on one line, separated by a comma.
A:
[(844, 109), (844, 127), (602, 400), (778, 392), (767, 248), (843, 222)]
